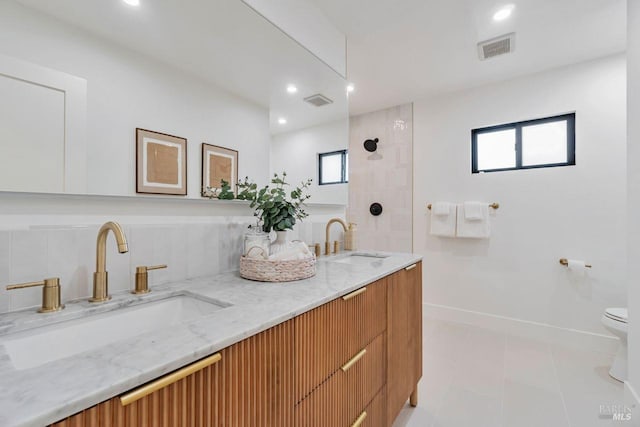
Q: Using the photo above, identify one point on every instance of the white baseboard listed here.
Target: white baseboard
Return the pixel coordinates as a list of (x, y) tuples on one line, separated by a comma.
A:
[(553, 334)]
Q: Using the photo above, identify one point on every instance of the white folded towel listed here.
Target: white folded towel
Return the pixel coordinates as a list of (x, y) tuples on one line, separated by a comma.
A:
[(443, 225), (475, 229), (441, 208), (296, 250), (473, 211)]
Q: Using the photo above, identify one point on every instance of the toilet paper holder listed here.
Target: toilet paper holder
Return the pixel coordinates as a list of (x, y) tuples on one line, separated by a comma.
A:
[(565, 262)]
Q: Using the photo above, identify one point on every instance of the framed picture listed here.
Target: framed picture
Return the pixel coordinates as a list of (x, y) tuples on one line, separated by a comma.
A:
[(218, 163), (161, 163)]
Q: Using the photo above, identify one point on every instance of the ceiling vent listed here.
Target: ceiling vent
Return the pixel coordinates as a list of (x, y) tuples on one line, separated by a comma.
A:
[(496, 46), (318, 100)]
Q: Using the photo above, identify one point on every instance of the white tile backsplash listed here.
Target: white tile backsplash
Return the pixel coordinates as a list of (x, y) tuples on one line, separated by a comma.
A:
[(202, 250), (189, 249), (178, 261), (162, 254), (63, 261), (28, 263), (5, 270)]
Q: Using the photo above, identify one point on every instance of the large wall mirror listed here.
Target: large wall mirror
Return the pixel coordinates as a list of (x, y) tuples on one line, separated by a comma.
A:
[(78, 77)]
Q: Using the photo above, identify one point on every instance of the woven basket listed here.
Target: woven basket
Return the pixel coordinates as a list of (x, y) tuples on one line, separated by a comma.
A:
[(264, 270)]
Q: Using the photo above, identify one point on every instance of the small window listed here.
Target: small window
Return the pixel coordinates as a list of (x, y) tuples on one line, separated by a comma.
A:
[(540, 143), (333, 167)]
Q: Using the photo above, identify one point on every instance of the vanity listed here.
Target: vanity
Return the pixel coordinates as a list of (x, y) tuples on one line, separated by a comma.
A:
[(341, 348)]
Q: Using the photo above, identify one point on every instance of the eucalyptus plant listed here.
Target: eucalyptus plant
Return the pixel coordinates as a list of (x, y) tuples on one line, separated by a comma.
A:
[(222, 193), (276, 208), (226, 193)]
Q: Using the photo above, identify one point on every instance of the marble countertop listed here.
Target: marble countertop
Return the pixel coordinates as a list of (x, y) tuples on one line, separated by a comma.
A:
[(55, 390)]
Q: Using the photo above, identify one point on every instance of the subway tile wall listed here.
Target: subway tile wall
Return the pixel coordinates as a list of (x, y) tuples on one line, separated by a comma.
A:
[(69, 252), (388, 180)]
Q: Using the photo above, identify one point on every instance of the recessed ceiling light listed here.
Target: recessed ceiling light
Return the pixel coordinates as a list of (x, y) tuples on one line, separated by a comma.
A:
[(282, 121), (292, 89), (132, 2), (350, 88), (503, 13)]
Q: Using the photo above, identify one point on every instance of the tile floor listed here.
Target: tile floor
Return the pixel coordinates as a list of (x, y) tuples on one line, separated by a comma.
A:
[(476, 377)]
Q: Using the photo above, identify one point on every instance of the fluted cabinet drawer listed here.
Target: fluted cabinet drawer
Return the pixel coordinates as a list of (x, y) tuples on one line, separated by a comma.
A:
[(345, 395), (376, 411), (251, 385), (327, 336)]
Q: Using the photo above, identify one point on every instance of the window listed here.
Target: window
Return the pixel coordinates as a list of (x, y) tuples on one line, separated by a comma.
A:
[(531, 144), (333, 167)]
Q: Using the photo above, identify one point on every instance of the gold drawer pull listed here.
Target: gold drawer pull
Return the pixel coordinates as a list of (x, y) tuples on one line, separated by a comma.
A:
[(158, 384), (411, 267), (353, 360), (354, 294), (360, 419)]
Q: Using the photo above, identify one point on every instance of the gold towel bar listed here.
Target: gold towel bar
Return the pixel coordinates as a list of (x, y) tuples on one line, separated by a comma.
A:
[(491, 205), (565, 262), (158, 384)]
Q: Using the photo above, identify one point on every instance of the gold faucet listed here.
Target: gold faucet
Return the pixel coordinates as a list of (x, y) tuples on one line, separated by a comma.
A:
[(100, 277), (327, 244)]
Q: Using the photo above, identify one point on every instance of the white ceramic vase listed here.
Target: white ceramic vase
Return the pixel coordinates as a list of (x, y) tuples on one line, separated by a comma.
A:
[(281, 243)]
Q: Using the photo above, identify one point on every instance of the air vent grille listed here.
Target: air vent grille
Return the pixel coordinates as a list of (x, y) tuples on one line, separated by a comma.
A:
[(318, 100), (496, 46)]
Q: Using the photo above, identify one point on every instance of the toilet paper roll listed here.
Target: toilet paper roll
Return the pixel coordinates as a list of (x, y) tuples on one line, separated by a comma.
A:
[(577, 266)]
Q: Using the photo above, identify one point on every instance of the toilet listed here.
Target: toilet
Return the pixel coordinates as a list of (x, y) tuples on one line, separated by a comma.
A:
[(615, 320)]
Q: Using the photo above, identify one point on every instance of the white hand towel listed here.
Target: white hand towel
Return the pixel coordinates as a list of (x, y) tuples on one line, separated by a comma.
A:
[(296, 250), (444, 225), (475, 229), (441, 208), (473, 211)]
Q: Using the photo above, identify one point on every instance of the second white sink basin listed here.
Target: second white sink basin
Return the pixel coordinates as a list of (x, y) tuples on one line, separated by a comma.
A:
[(361, 258), (35, 347)]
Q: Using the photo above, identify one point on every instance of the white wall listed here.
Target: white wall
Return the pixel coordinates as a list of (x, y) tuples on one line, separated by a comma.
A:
[(127, 90), (633, 165), (297, 153), (304, 22), (545, 214)]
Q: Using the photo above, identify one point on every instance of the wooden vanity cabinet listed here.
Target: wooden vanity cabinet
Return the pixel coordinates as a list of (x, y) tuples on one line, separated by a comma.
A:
[(353, 361), (250, 386), (328, 336), (404, 334), (341, 399)]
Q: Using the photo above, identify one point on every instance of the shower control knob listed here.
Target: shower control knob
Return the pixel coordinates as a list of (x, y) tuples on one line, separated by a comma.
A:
[(375, 209)]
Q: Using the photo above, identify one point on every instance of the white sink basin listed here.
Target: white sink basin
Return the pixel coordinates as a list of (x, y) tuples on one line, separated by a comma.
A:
[(35, 347), (361, 259)]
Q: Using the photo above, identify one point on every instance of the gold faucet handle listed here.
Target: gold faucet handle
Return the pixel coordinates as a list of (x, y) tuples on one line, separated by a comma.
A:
[(142, 278), (50, 293), (145, 268)]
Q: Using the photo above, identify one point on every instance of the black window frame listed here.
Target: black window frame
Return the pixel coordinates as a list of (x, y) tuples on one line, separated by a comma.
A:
[(570, 118), (344, 179)]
